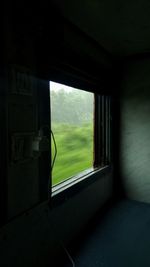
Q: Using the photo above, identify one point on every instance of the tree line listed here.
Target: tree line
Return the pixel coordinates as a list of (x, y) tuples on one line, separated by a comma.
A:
[(73, 107)]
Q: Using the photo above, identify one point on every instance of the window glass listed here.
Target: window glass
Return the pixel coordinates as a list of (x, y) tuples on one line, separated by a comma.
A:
[(72, 127)]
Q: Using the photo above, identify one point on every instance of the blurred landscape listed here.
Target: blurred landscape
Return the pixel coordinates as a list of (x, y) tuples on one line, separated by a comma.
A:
[(72, 125)]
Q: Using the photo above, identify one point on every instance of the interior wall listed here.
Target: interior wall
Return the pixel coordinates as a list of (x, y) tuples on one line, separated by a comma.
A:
[(30, 239), (35, 237), (135, 129)]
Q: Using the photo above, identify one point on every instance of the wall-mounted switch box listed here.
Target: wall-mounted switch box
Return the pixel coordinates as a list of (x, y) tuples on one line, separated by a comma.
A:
[(40, 144)]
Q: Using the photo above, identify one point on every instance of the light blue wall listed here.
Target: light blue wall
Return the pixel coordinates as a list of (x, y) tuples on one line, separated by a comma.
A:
[(135, 130)]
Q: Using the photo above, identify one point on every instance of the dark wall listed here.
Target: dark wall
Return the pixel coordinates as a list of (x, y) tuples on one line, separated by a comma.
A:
[(135, 129), (36, 237), (38, 47)]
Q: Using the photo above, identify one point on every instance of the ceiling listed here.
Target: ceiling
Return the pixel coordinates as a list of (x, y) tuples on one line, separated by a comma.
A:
[(121, 27)]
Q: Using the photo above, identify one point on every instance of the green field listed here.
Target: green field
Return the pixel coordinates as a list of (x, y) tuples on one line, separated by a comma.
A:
[(74, 150)]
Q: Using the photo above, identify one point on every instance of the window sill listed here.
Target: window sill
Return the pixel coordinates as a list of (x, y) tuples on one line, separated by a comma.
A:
[(65, 190)]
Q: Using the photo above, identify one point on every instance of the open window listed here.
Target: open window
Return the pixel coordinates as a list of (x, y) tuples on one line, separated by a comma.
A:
[(80, 131), (72, 124)]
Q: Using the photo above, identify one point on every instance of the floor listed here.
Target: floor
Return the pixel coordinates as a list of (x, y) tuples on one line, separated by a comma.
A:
[(119, 238)]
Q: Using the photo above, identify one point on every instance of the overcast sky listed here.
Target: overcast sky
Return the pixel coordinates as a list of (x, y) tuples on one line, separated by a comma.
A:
[(58, 86)]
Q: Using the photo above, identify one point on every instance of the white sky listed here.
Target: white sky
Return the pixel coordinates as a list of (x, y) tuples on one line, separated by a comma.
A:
[(58, 86)]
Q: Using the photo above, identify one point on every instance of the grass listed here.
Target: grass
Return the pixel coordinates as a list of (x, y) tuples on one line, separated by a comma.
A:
[(74, 150)]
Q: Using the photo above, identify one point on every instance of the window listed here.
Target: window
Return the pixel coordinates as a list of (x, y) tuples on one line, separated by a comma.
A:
[(80, 130)]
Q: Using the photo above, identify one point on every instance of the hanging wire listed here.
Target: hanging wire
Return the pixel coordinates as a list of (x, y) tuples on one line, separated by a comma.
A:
[(56, 232), (55, 154), (68, 254), (55, 146)]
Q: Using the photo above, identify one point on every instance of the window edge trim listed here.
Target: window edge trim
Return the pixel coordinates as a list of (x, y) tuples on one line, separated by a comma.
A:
[(63, 193)]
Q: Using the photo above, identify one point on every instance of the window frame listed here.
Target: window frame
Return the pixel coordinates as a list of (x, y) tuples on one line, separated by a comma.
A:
[(64, 193), (102, 131), (102, 149)]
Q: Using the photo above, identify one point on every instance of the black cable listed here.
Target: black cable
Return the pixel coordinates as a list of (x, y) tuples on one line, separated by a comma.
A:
[(56, 232), (55, 146), (47, 127)]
